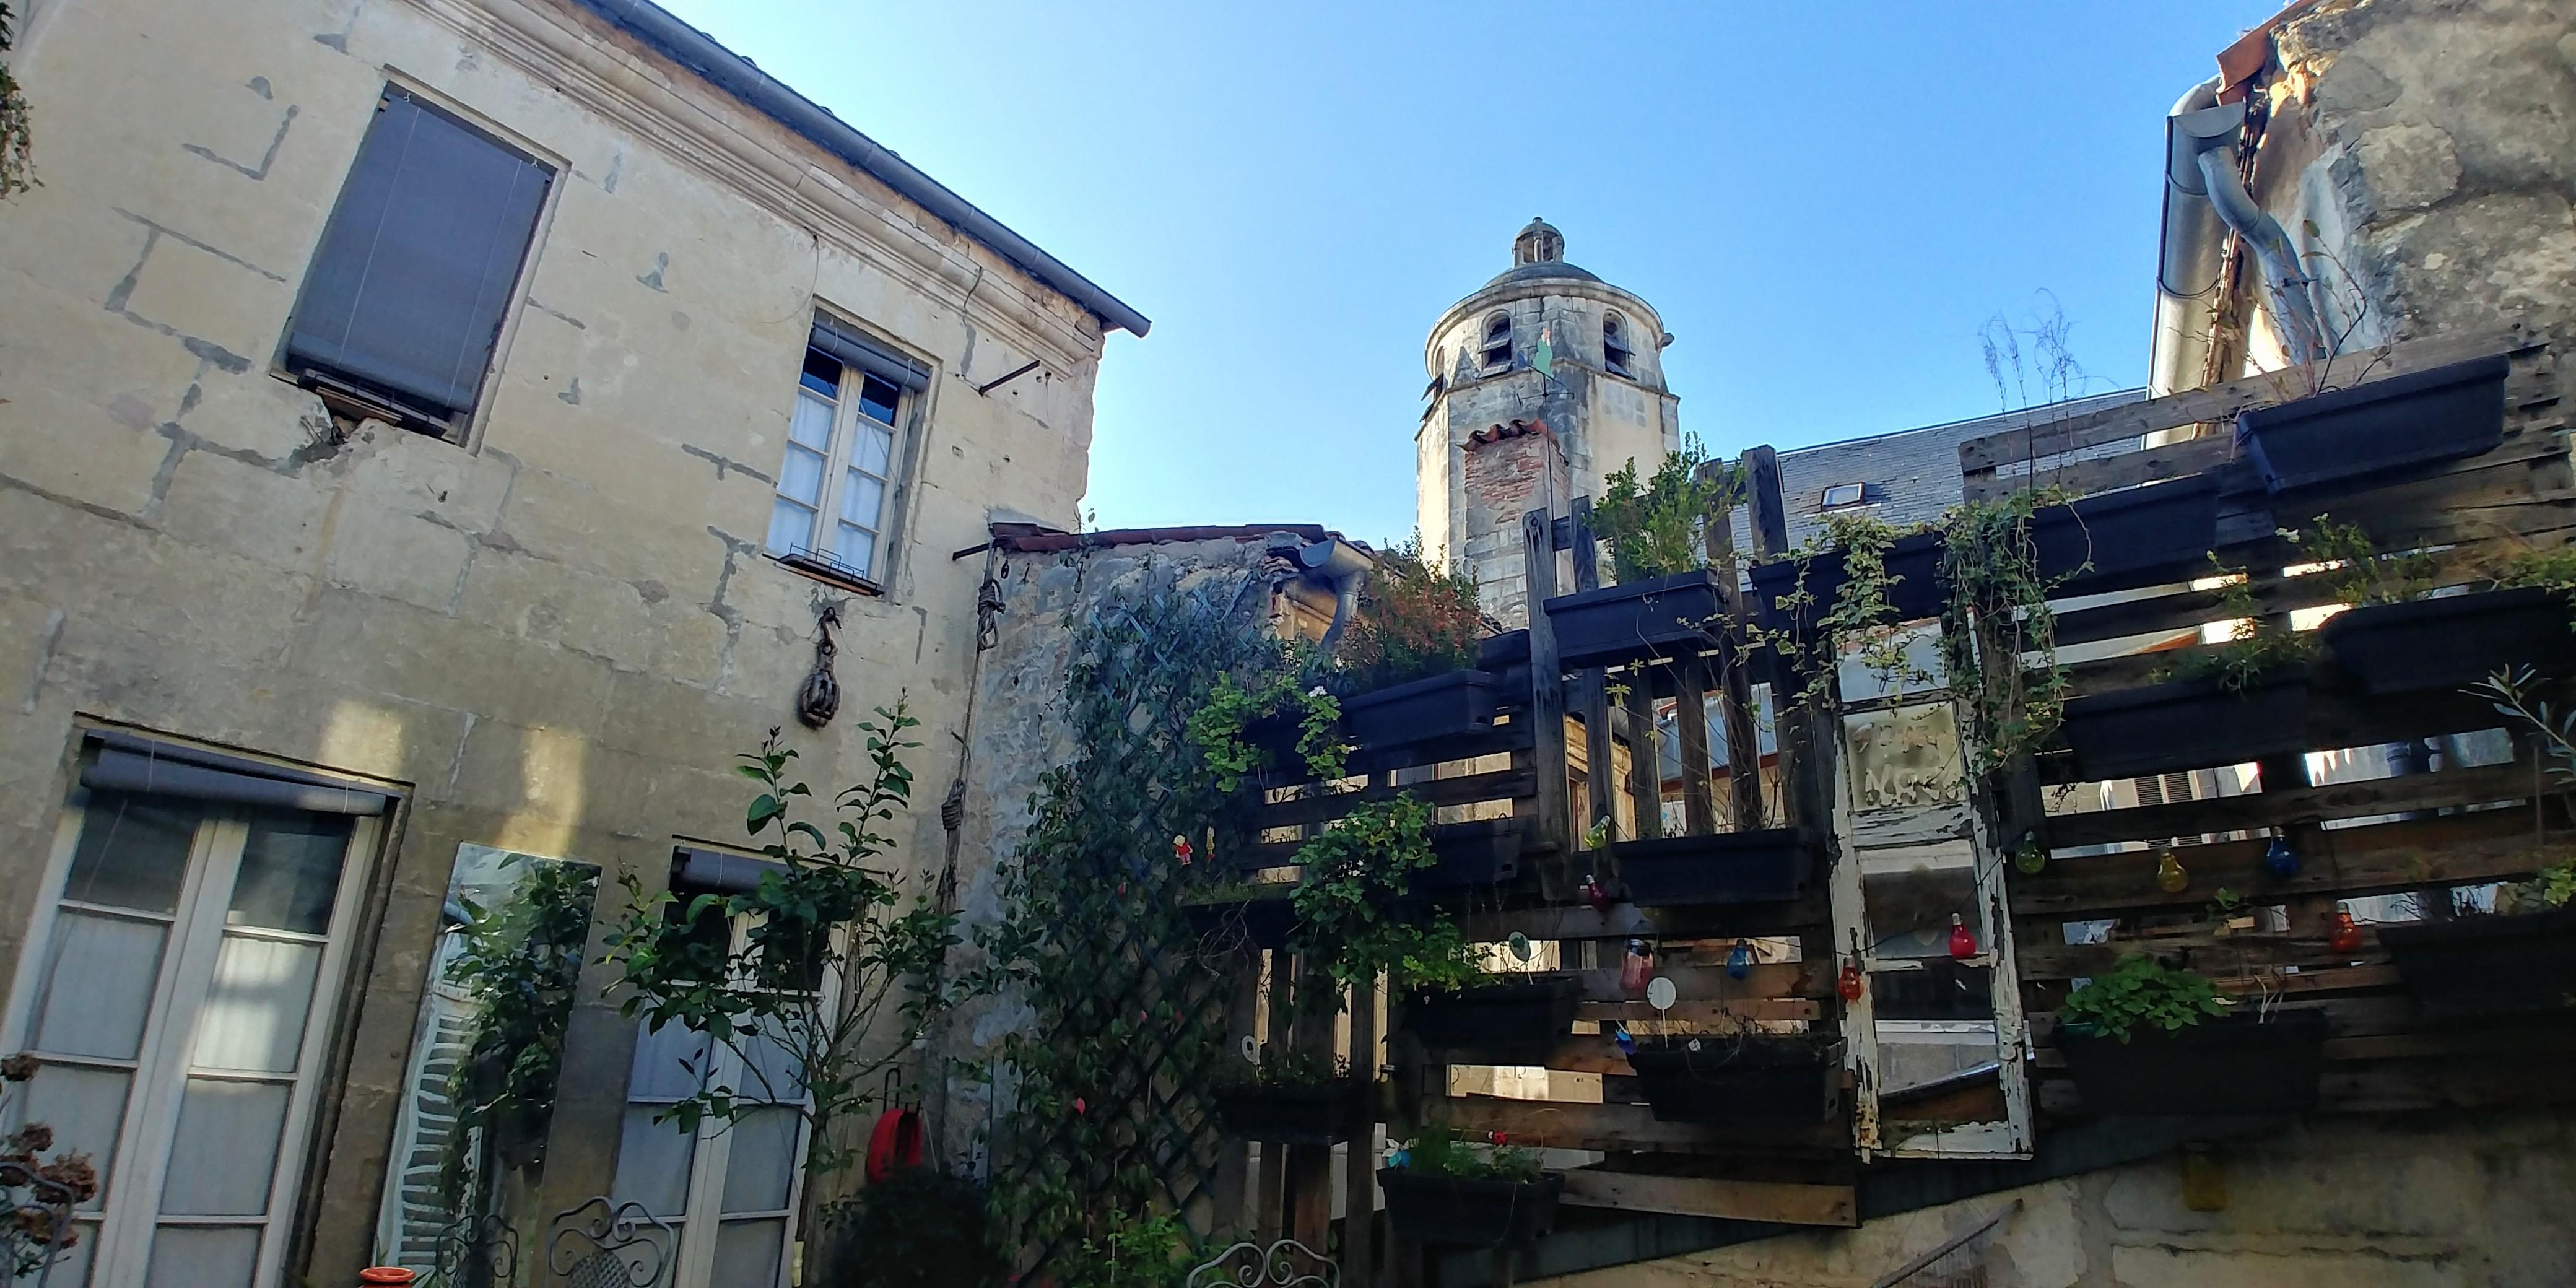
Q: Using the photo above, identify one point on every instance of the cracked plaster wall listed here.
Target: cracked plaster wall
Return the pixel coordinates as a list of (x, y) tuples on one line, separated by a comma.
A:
[(558, 637)]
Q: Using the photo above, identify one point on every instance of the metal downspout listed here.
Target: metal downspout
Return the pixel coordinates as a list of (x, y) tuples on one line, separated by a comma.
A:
[(2187, 267)]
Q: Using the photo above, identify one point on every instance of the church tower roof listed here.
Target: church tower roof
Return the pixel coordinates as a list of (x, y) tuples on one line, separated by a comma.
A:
[(1538, 251)]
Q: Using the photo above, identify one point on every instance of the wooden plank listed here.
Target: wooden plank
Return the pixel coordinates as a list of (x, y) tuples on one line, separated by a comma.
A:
[(1627, 921), (1687, 1016), (1690, 726), (2202, 952), (1558, 1124), (1468, 789), (2085, 476), (2408, 854), (1713, 983), (1547, 688), (2470, 564), (2474, 786), (1359, 1177), (2222, 402), (1645, 765), (1735, 680), (1830, 1205)]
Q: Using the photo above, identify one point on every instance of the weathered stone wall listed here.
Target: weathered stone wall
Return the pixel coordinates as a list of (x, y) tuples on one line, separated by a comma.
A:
[(556, 637), (2429, 146), (2444, 1202)]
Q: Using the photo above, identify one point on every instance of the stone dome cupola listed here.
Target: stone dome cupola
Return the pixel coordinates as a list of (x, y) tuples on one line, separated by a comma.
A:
[(1538, 243)]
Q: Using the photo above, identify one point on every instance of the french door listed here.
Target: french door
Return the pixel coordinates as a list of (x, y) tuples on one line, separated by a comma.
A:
[(176, 991), (731, 1190)]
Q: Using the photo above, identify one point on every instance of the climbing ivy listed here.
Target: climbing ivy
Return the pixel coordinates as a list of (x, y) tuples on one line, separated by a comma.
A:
[(1997, 621)]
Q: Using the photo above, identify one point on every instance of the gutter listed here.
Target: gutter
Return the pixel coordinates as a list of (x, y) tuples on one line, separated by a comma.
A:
[(2187, 266), (700, 54)]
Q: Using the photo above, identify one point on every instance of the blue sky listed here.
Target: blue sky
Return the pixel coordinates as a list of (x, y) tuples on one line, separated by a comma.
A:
[(1824, 202)]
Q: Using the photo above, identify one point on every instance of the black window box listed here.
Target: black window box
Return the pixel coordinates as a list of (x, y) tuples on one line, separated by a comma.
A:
[(1772, 865), (2236, 1065), (1518, 1023), (1290, 1115), (2187, 724), (1254, 923), (1656, 617), (2488, 965), (1443, 706), (2410, 420), (1481, 853), (2453, 641), (1752, 1079), (2162, 525), (1473, 1213), (1916, 587)]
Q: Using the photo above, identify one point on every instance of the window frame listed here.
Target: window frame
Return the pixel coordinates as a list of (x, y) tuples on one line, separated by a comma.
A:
[(119, 1239), (467, 428), (1505, 339), (1618, 357), (823, 562)]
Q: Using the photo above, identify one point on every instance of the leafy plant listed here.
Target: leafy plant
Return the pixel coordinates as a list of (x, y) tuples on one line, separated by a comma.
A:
[(40, 1193), (2260, 646), (1441, 1150), (2552, 570), (2357, 570), (1415, 621), (17, 161), (919, 1228), (2509, 692), (1286, 1068), (1661, 528), (1131, 1252), (1998, 615), (520, 963), (2140, 991), (829, 915), (1221, 728), (1357, 872)]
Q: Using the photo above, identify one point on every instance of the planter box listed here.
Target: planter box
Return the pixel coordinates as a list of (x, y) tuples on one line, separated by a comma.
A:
[(1290, 1115), (1470, 1213), (1519, 1023), (1772, 865), (2488, 965), (2451, 642), (2163, 525), (1482, 853), (1750, 1080), (2235, 1065), (1658, 617), (1917, 589), (1262, 923), (2418, 419), (2187, 724), (1443, 706)]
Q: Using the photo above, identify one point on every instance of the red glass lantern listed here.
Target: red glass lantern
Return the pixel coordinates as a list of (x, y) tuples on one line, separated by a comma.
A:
[(2343, 935), (1963, 941), (1595, 894), (1850, 983), (1636, 968)]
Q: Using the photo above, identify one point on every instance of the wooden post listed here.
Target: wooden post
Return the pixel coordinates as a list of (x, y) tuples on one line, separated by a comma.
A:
[(1310, 1167), (1645, 765), (1270, 1194), (1690, 722), (1359, 1175), (1735, 684), (1547, 683), (1233, 1166), (1593, 698), (1804, 800), (1410, 1077)]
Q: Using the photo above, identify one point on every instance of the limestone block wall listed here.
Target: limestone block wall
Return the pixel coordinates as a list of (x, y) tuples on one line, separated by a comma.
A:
[(556, 636), (2430, 148), (2448, 1201)]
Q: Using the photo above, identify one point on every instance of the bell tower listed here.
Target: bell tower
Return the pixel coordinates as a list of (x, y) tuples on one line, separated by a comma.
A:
[(1543, 382)]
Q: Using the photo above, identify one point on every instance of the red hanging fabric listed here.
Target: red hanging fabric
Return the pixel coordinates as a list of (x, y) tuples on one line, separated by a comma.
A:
[(895, 1144)]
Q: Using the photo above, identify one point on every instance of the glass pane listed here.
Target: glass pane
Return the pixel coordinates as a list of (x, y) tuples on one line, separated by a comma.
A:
[(791, 527), (290, 872), (801, 476), (822, 373), (133, 852), (812, 422), (762, 1160), (226, 1148), (856, 547), (212, 1257), (874, 451), (1910, 904), (256, 1004), (71, 1269), (877, 399), (771, 1071), (99, 991), (668, 1064), (747, 1254), (653, 1163), (862, 499), (1905, 757), (85, 1107)]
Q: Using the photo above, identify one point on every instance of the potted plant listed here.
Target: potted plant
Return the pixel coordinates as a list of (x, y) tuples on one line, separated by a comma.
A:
[(1478, 1018), (2240, 700), (1442, 1188), (2161, 525), (1770, 865), (2410, 420), (1896, 574), (1411, 653), (1482, 852), (1291, 1097), (2521, 957), (1666, 601), (2399, 638), (1741, 1077), (2145, 1038)]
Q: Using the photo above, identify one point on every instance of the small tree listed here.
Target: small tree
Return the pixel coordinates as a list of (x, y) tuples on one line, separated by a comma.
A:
[(17, 163), (830, 950), (1661, 527), (1415, 620)]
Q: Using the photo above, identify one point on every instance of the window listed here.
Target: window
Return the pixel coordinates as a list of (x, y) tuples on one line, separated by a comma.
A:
[(731, 1190), (1615, 353), (417, 267), (832, 506), (182, 974), (1498, 341), (1844, 496)]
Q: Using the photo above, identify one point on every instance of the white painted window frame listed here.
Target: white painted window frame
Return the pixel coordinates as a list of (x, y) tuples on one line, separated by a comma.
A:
[(823, 537)]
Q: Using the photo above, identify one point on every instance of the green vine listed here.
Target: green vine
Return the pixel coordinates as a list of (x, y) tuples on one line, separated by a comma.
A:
[(1996, 617), (2261, 644), (1358, 872), (1223, 726), (2359, 572), (1862, 615)]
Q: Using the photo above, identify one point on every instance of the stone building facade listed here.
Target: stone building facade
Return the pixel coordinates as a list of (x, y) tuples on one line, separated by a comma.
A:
[(511, 561), (1559, 376)]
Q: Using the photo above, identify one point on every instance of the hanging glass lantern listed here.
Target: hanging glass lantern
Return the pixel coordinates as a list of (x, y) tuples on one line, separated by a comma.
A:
[(1739, 959), (1636, 968), (1595, 893), (2031, 859), (2343, 935), (2280, 860), (2170, 877), (1963, 941), (1850, 983)]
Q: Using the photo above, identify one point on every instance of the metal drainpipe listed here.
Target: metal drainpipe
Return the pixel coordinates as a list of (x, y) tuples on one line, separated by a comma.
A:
[(2187, 268), (1342, 564), (2202, 159)]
